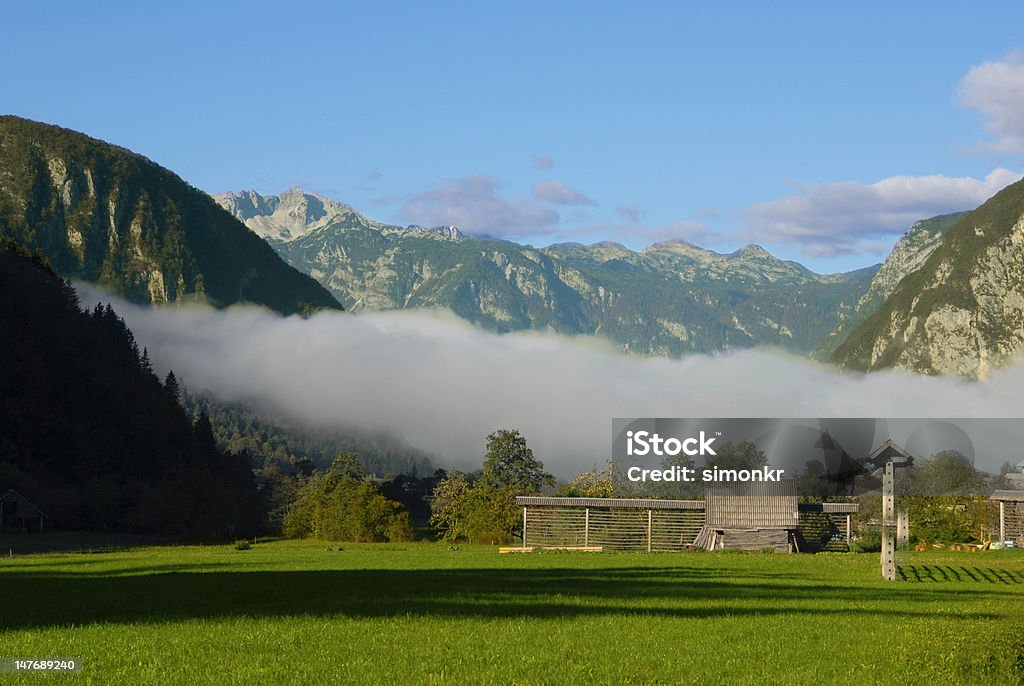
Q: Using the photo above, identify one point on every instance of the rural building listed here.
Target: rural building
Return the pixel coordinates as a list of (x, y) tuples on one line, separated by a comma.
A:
[(1011, 515), (18, 514), (749, 516), (1015, 480)]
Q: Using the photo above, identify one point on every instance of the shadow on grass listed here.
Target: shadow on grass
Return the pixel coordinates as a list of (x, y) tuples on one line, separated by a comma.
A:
[(71, 542), (961, 574), (151, 594)]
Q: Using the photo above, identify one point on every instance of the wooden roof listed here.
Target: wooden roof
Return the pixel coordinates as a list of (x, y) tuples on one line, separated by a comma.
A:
[(636, 503), (889, 452), (11, 494), (1008, 496), (653, 504)]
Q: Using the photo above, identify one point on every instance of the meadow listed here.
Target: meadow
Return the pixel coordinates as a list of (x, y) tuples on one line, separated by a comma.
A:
[(307, 612)]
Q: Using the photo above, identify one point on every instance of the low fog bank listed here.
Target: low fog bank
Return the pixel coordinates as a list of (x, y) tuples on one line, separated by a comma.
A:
[(444, 385)]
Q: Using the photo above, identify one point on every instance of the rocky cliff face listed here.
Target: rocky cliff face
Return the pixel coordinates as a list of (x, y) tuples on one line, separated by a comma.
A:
[(670, 299), (101, 213), (284, 217), (907, 256), (962, 312)]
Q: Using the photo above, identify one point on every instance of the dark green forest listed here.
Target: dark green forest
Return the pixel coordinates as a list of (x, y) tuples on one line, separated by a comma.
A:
[(91, 434), (290, 458)]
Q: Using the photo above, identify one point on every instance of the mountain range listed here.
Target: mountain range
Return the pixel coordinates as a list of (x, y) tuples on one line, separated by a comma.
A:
[(948, 300), (669, 299)]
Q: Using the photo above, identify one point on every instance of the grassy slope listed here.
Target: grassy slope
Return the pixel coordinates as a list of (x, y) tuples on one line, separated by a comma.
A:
[(293, 612)]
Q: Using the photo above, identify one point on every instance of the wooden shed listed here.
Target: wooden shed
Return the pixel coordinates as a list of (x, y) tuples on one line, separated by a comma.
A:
[(1011, 515), (750, 516), (18, 514)]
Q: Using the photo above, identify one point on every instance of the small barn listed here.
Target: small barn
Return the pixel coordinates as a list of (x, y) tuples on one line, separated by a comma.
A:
[(1011, 515), (750, 516), (1015, 480), (18, 514)]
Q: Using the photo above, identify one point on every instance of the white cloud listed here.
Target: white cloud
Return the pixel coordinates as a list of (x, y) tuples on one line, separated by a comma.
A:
[(629, 212), (849, 217), (474, 204), (996, 90), (445, 385), (558, 193), (544, 162)]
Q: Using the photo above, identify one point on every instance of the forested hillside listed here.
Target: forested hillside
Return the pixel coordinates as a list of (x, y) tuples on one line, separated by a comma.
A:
[(90, 434), (297, 448), (104, 214)]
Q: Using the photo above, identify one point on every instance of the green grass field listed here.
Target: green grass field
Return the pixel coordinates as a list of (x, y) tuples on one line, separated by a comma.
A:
[(295, 612)]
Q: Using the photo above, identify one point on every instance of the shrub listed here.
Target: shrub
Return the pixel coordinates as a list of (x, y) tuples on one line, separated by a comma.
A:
[(346, 507)]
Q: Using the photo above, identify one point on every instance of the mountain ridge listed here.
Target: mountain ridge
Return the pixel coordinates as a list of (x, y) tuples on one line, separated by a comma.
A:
[(668, 299), (962, 312), (104, 214), (908, 255)]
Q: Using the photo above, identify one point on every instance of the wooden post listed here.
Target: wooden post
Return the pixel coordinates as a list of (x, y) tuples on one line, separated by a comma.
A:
[(848, 527), (648, 531), (902, 526), (888, 494), (1002, 522), (524, 526), (888, 555), (888, 535), (586, 527)]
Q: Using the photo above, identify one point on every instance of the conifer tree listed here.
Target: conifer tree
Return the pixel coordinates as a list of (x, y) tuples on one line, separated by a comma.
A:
[(171, 386)]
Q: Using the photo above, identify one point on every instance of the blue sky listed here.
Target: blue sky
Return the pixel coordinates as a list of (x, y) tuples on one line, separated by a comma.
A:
[(819, 132)]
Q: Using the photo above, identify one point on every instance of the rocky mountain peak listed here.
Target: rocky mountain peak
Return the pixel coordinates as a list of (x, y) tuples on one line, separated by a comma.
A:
[(287, 216), (754, 250), (450, 231)]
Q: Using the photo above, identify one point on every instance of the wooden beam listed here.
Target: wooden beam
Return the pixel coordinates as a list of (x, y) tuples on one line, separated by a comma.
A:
[(648, 531), (1002, 522), (524, 525)]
